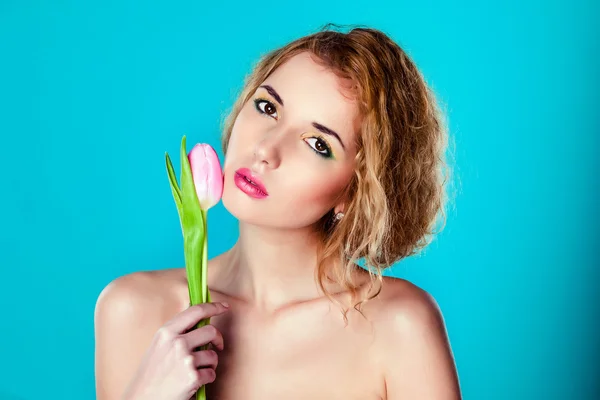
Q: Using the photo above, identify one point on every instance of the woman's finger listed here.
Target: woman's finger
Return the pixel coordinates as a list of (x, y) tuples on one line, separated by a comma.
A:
[(206, 358), (189, 317), (204, 335)]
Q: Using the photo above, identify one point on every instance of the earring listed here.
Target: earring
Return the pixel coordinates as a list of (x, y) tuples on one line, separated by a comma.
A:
[(339, 216)]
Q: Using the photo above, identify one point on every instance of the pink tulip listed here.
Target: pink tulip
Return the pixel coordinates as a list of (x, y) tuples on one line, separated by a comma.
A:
[(207, 175)]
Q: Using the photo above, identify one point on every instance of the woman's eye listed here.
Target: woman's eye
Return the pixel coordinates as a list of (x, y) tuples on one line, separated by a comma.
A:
[(320, 147), (268, 108)]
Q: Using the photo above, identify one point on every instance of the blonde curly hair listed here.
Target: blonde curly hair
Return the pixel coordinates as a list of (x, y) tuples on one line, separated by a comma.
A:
[(399, 186)]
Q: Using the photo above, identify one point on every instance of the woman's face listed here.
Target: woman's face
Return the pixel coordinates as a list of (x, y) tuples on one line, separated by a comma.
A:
[(302, 168)]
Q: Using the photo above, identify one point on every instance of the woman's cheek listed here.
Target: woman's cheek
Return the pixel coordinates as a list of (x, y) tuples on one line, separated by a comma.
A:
[(317, 189)]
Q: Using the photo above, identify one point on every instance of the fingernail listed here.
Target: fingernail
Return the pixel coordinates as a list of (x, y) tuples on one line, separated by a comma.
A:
[(225, 304)]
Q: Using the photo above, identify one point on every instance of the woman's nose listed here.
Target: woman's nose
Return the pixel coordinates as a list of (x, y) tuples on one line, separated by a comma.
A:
[(268, 150)]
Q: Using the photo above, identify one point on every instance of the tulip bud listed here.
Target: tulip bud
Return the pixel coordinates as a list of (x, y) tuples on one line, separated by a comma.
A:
[(207, 175)]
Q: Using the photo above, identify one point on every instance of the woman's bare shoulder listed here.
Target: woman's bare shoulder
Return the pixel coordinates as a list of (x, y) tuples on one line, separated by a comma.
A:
[(399, 302), (400, 296), (143, 295), (414, 339), (128, 313)]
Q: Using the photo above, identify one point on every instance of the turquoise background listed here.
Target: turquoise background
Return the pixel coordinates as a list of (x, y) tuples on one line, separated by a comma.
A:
[(93, 94)]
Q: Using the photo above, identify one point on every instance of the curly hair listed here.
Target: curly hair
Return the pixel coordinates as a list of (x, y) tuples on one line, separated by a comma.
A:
[(398, 189)]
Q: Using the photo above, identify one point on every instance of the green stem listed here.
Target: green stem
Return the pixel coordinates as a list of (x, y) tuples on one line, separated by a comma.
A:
[(201, 393), (205, 258)]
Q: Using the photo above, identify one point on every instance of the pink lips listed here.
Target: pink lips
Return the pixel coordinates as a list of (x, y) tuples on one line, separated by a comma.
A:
[(249, 183)]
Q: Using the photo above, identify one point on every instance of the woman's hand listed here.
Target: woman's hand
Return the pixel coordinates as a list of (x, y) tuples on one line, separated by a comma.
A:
[(170, 368)]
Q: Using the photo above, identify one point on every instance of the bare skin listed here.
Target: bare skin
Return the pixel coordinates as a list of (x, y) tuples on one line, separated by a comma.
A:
[(300, 352)]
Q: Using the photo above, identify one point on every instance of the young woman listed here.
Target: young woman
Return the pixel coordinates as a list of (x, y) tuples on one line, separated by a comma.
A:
[(334, 151)]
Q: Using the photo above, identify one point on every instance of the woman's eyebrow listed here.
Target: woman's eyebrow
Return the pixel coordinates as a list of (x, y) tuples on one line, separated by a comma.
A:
[(273, 93), (318, 126), (328, 131)]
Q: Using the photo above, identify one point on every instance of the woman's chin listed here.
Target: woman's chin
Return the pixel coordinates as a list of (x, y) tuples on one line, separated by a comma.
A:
[(244, 211)]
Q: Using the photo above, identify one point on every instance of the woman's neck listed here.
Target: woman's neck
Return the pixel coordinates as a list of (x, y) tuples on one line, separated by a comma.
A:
[(272, 268)]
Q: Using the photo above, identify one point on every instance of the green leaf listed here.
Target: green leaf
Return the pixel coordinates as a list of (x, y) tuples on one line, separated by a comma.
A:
[(193, 248), (194, 231), (173, 183), (193, 212)]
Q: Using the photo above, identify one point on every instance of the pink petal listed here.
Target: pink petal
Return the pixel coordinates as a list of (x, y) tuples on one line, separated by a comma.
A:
[(207, 174)]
